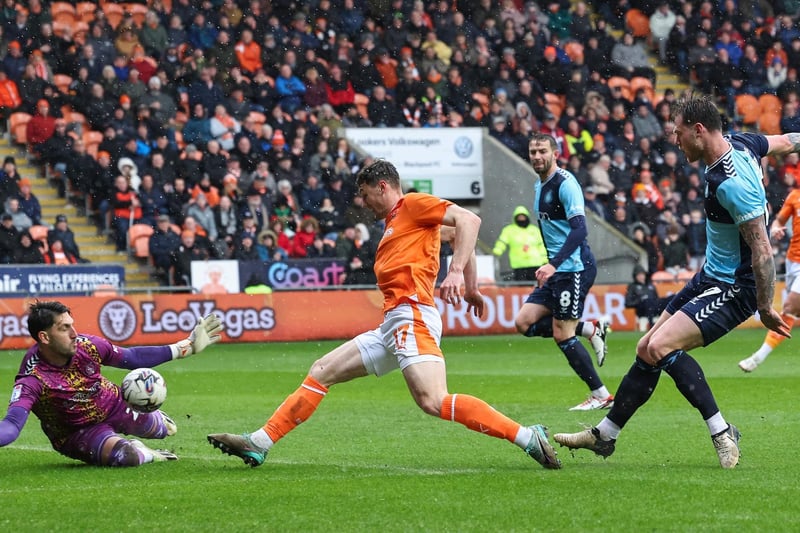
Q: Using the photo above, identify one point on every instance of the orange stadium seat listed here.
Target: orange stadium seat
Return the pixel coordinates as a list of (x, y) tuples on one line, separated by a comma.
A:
[(16, 125), (641, 82), (361, 101), (555, 103), (57, 8), (86, 11), (748, 108), (114, 13), (624, 84), (769, 122), (638, 23), (139, 232)]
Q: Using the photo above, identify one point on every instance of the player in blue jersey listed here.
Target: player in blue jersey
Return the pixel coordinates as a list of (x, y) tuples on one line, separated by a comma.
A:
[(554, 308), (737, 279)]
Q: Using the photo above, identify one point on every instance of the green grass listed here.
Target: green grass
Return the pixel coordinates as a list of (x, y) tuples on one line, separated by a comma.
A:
[(370, 460)]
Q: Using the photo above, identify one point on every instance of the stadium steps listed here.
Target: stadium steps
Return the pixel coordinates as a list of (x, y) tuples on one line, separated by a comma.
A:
[(94, 246)]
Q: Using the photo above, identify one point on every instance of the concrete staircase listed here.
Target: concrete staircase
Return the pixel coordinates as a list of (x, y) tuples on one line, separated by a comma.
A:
[(94, 246)]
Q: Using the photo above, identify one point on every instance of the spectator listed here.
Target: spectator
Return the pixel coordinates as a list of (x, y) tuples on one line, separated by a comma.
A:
[(642, 296), (245, 249), (316, 92), (153, 199), (19, 218), (28, 251), (674, 251), (696, 239), (224, 127), (28, 202), (181, 259), (289, 88), (203, 214), (125, 209), (311, 196), (340, 92), (645, 123), (661, 23), (40, 127), (10, 98), (381, 110), (248, 54), (358, 213), (226, 220), (304, 237), (629, 59), (63, 233), (56, 255), (268, 249), (361, 259), (754, 71), (9, 238), (14, 62)]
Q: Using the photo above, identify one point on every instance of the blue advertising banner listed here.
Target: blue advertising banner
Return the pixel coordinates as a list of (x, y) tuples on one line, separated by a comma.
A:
[(57, 280)]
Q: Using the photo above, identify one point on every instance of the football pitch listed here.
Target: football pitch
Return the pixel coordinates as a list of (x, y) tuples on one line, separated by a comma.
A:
[(370, 460)]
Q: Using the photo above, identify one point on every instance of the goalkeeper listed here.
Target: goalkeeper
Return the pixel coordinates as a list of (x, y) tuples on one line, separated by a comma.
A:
[(81, 412)]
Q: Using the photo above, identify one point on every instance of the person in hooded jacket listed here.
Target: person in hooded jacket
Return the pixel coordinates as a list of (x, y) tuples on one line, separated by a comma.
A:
[(523, 241), (642, 296)]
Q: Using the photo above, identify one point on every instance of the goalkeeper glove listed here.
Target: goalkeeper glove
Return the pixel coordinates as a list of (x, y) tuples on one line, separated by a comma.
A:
[(207, 332)]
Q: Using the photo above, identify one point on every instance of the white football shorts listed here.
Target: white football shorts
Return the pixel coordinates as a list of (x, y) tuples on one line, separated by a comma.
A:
[(409, 334)]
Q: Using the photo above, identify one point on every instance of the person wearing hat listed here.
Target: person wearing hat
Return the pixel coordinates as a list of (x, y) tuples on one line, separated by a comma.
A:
[(523, 242), (62, 232), (9, 238), (14, 62)]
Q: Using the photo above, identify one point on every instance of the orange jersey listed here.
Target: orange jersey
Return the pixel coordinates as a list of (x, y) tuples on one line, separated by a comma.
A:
[(407, 260), (791, 209)]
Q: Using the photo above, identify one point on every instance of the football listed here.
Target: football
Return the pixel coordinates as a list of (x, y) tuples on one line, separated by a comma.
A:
[(144, 389)]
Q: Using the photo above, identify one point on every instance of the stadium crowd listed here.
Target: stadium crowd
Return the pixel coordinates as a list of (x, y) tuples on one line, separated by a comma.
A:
[(216, 122)]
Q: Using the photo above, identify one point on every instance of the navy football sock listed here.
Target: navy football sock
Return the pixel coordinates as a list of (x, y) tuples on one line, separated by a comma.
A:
[(581, 362), (635, 389), (691, 381)]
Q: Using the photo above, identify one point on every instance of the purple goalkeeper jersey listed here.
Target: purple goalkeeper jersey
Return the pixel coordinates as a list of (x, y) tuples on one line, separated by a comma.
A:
[(66, 399)]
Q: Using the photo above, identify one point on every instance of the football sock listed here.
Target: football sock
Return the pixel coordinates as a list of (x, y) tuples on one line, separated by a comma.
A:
[(261, 439), (772, 340), (601, 393), (608, 430), (635, 389), (478, 416), (585, 329), (295, 409), (542, 328), (691, 381), (581, 362), (716, 424)]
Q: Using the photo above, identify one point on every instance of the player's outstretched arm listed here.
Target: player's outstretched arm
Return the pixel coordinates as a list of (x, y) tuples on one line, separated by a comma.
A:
[(784, 144), (755, 235), (12, 424), (208, 331)]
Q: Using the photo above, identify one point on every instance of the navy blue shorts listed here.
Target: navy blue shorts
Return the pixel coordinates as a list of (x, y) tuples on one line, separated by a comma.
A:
[(565, 292), (715, 307)]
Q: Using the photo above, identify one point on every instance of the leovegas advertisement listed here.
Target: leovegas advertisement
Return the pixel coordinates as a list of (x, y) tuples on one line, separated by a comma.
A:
[(289, 316)]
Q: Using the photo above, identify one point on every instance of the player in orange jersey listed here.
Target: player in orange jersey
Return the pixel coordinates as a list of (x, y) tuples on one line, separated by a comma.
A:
[(406, 265), (791, 305)]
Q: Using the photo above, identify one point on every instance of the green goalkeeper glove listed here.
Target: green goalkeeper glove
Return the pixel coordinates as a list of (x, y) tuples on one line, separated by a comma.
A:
[(207, 332)]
